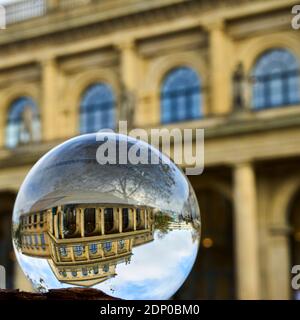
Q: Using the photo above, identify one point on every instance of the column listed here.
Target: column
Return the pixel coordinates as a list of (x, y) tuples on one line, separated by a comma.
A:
[(61, 224), (120, 220), (130, 244), (130, 217), (81, 213), (49, 99), (72, 253), (146, 218), (134, 219), (49, 220), (56, 231), (98, 221), (128, 78), (56, 252), (102, 226), (116, 219), (279, 268), (219, 68), (246, 235), (128, 65)]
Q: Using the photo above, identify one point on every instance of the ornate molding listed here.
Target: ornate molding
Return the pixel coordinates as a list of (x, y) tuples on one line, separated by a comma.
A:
[(84, 28)]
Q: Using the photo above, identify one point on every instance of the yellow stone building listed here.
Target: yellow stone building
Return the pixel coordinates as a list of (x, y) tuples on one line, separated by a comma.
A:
[(230, 67), (84, 243)]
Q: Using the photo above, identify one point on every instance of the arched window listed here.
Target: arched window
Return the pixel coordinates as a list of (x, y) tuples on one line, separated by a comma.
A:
[(63, 251), (84, 272), (23, 123), (63, 273), (181, 96), (121, 244), (93, 248), (107, 246), (74, 273), (78, 250), (106, 268), (96, 269), (97, 110), (275, 80)]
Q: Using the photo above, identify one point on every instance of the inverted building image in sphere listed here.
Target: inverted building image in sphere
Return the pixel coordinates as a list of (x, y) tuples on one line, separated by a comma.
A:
[(130, 230)]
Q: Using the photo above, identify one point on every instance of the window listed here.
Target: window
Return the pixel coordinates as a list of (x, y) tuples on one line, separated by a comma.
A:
[(63, 251), (41, 220), (78, 250), (93, 248), (138, 217), (63, 273), (181, 96), (74, 273), (43, 243), (107, 246), (36, 240), (108, 219), (121, 244), (29, 240), (275, 80), (23, 124), (97, 110), (95, 269), (69, 221), (106, 268), (125, 218), (89, 221), (84, 272)]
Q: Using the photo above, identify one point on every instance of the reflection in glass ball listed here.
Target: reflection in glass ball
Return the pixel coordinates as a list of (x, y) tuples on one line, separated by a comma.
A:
[(130, 230)]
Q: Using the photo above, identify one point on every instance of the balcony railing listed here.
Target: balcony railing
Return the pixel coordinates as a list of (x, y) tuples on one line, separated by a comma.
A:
[(24, 10), (28, 9)]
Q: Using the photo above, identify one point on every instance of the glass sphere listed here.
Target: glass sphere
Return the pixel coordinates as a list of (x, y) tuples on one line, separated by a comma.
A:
[(90, 214)]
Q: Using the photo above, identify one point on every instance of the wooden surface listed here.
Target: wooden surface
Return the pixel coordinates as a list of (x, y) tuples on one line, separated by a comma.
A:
[(56, 294)]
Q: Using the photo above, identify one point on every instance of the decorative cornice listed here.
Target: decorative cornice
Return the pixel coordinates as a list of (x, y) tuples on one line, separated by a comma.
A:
[(90, 20), (50, 33), (26, 155)]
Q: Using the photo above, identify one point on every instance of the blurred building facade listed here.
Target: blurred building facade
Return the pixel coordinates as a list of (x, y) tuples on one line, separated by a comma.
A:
[(230, 67)]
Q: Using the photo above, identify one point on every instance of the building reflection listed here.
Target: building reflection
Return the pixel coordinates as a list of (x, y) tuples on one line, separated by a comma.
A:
[(83, 243)]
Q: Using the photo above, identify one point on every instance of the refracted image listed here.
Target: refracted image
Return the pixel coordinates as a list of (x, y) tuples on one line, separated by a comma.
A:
[(131, 231), (84, 243)]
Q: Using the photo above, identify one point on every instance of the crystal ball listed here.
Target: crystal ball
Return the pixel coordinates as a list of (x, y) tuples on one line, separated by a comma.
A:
[(110, 212)]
